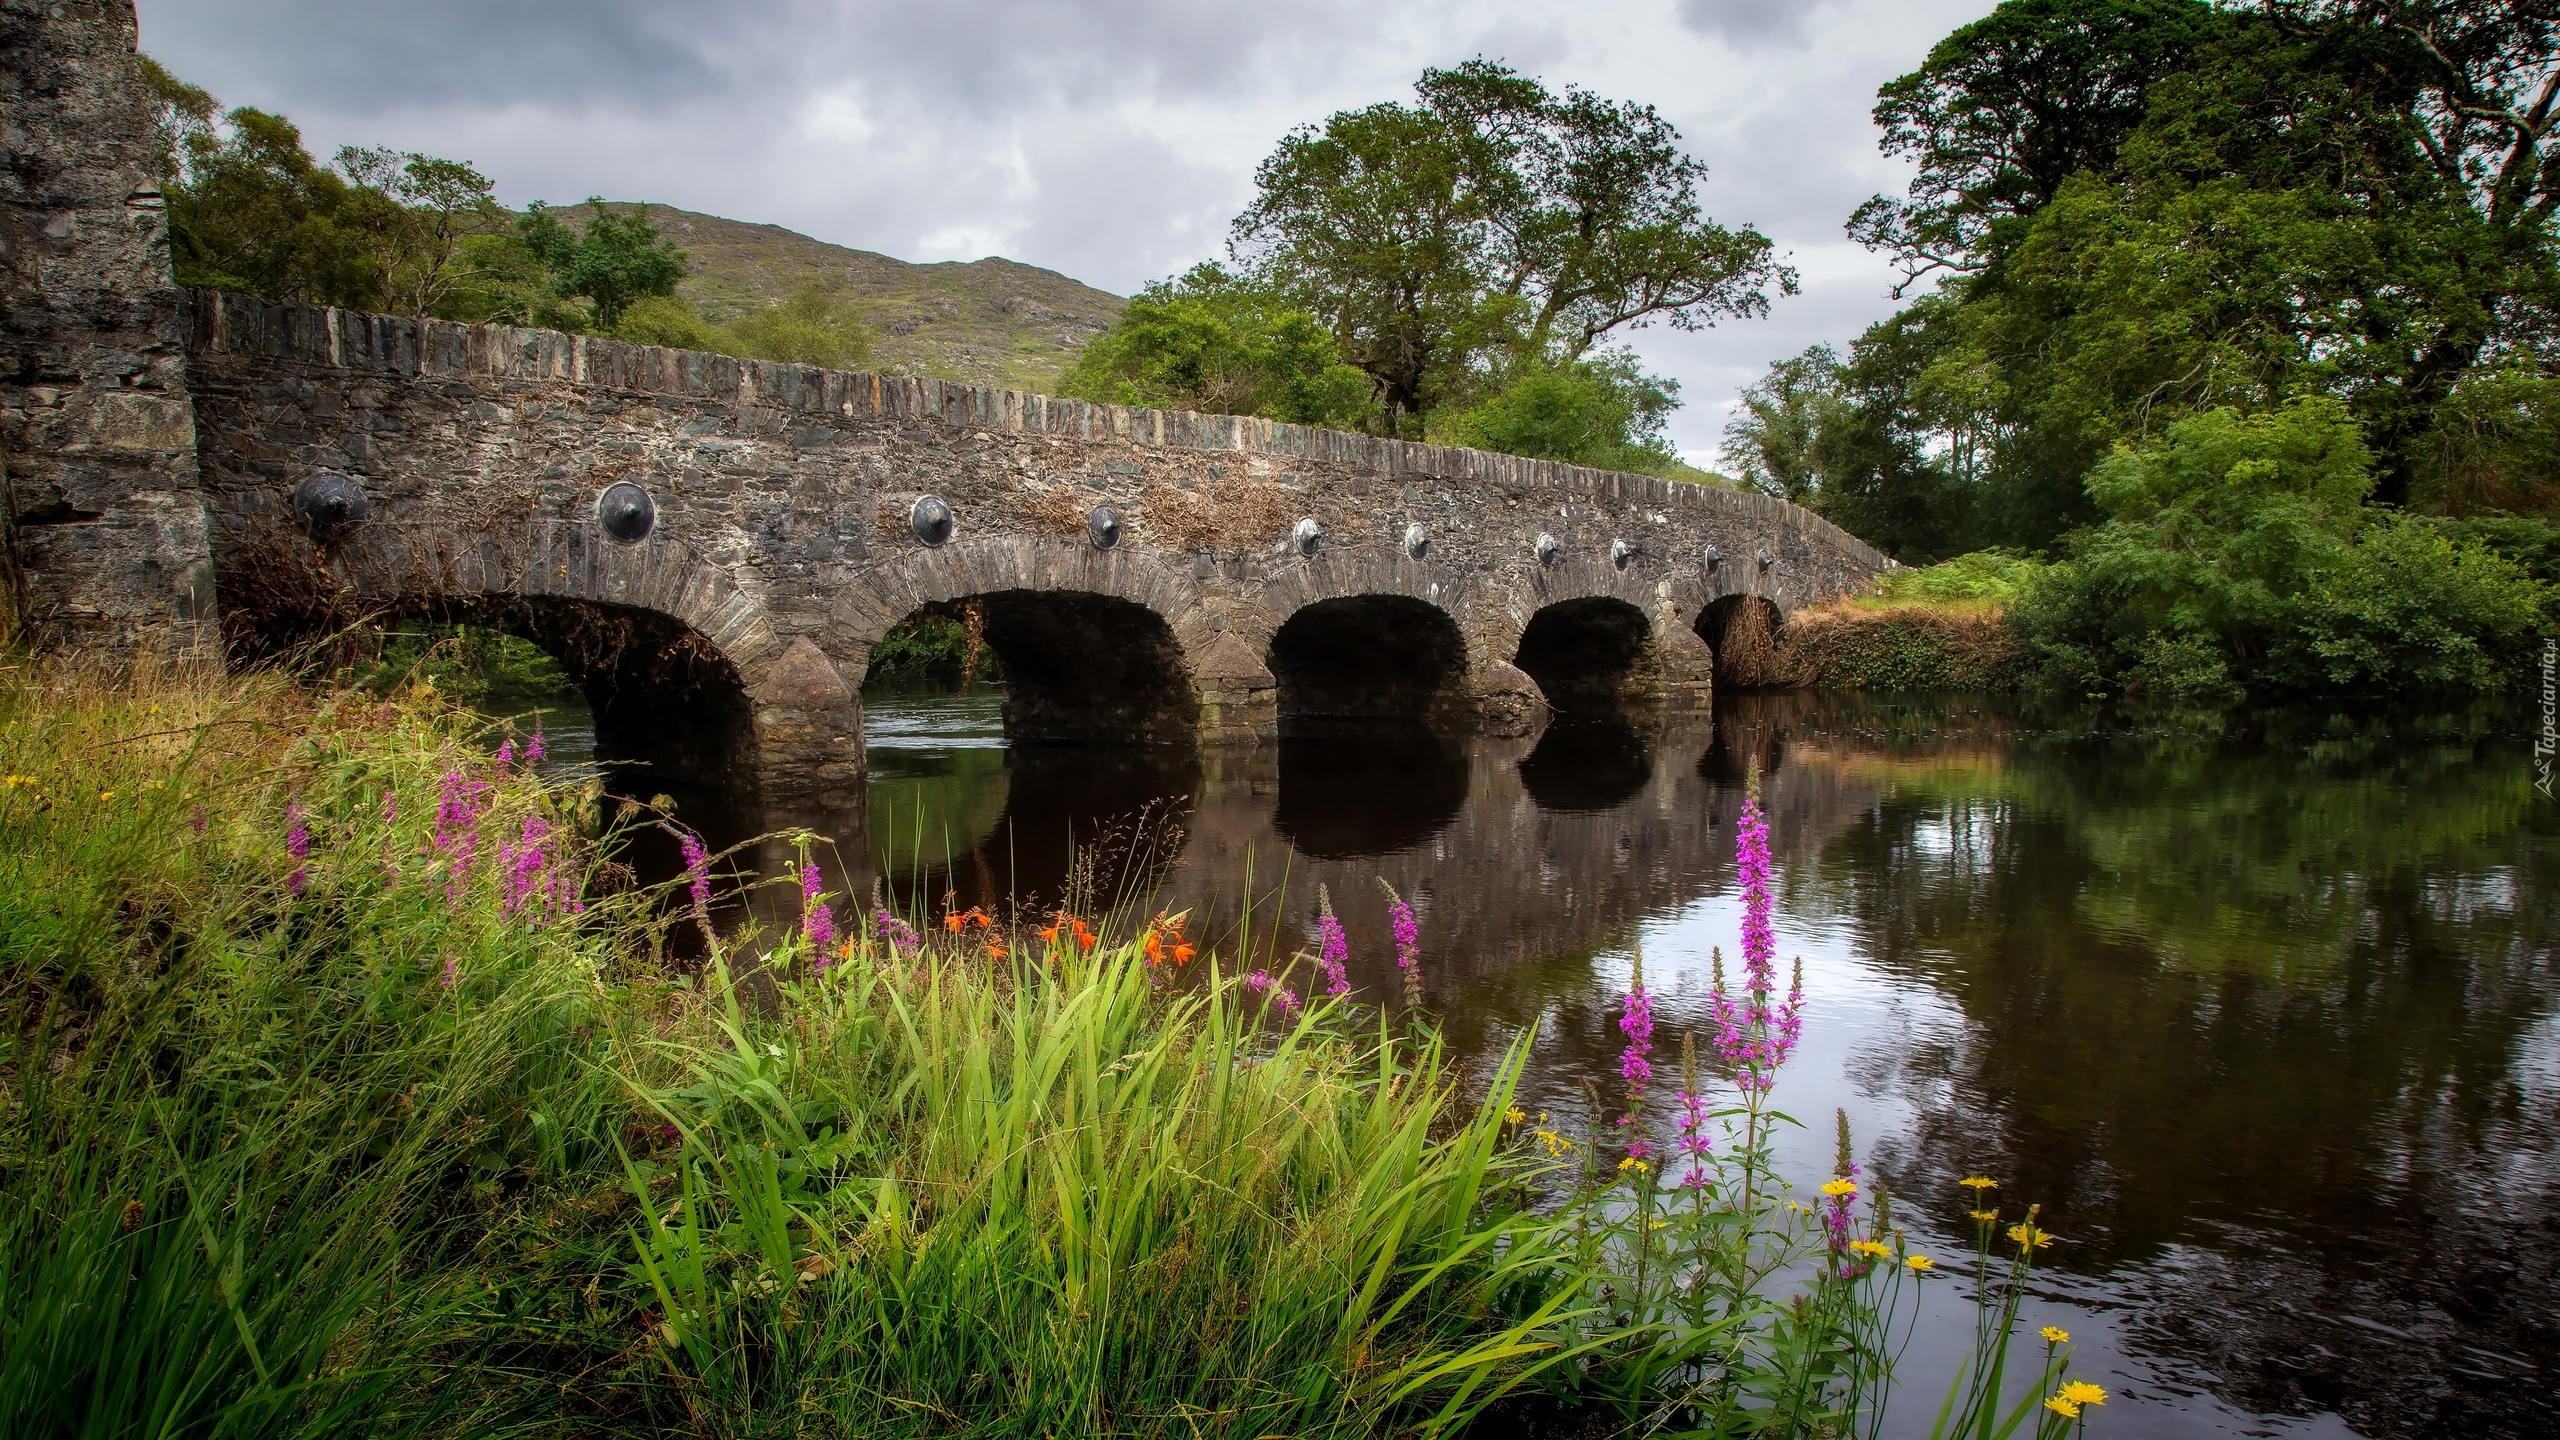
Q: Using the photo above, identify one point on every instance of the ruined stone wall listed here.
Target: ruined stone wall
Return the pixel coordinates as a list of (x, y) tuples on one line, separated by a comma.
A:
[(783, 495), (97, 437)]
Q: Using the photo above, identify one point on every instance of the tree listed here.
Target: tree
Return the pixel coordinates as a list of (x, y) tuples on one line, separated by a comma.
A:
[(1211, 342), (817, 324), (426, 209), (2008, 108), (1785, 440), (2143, 210), (1601, 411), (610, 262), (1491, 224)]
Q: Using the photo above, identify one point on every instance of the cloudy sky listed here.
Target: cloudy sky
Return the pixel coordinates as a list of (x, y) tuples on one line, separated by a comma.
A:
[(1108, 139)]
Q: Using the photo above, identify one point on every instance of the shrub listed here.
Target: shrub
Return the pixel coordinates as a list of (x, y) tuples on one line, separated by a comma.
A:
[(2239, 555)]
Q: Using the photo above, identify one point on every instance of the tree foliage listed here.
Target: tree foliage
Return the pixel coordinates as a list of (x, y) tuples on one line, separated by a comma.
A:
[(2239, 553), (389, 230), (2136, 211), (1492, 218), (1209, 342)]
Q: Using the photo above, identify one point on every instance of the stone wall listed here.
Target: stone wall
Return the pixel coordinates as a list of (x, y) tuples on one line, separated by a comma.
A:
[(107, 526), (783, 495)]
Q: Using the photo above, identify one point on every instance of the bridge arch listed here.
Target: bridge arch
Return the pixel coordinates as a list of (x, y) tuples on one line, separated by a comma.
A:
[(1095, 645), (1600, 637), (1362, 635), (1741, 630), (683, 670)]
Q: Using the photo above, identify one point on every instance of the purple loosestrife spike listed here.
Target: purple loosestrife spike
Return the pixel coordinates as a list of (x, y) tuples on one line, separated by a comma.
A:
[(895, 931), (817, 922), (506, 753), (1408, 935), (533, 749), (524, 865), (1636, 1023), (697, 873), (1332, 948)]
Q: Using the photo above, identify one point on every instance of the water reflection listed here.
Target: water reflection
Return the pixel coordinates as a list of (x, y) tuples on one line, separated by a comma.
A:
[(1348, 791), (2265, 1012)]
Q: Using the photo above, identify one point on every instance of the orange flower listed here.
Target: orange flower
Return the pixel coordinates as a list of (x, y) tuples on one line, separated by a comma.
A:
[(1182, 954), (953, 921), (1051, 934), (1154, 948), (995, 947), (985, 920), (845, 950), (1084, 937)]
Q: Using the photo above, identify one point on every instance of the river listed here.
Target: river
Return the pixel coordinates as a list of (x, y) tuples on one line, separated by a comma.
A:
[(2264, 1010)]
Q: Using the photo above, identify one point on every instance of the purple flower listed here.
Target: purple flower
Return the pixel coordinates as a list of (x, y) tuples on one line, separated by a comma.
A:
[(1754, 1035), (1261, 983), (1332, 950), (506, 753), (297, 843), (1636, 1024), (533, 749), (896, 931), (1408, 935), (390, 807), (1692, 1145), (817, 922), (458, 809), (524, 863), (697, 873)]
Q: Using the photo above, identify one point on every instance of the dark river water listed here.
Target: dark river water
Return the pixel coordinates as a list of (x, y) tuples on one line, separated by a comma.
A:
[(2264, 1010)]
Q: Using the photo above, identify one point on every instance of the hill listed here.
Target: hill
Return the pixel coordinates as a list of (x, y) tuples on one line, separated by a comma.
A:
[(988, 322)]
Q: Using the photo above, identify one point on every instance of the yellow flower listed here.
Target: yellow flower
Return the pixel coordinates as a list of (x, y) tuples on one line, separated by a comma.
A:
[(106, 795), (1985, 1216), (1872, 1249), (1979, 1183), (2028, 1236), (2081, 1392), (1632, 1163), (2063, 1408), (1837, 1188), (1920, 1264), (1514, 1115), (2056, 1335)]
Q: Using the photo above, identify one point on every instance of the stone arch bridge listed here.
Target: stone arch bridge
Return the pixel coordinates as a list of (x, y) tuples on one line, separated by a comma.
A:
[(715, 545)]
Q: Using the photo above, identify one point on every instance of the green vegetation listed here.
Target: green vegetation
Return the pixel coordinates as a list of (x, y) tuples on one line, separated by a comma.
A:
[(352, 1089), (942, 644), (1452, 269), (2239, 551), (250, 210), (2240, 315), (2138, 210), (479, 666)]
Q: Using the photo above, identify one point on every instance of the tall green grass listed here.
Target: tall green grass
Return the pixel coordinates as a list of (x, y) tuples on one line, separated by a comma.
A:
[(359, 1140)]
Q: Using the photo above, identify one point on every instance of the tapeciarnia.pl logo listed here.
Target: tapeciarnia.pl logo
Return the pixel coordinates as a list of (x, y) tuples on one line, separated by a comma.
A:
[(2548, 741)]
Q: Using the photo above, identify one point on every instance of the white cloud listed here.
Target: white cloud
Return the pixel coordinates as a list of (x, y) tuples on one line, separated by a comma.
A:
[(1108, 139)]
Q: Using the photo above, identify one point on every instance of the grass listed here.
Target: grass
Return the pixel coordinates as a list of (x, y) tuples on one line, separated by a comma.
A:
[(381, 1138)]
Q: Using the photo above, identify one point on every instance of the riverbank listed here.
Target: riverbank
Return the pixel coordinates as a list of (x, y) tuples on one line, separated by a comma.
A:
[(354, 1088)]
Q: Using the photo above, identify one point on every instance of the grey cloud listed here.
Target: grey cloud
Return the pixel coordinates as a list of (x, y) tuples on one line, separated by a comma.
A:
[(1111, 140), (1751, 24)]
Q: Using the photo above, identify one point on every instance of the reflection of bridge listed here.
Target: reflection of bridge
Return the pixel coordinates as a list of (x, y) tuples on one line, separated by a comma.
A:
[(1511, 850), (715, 545)]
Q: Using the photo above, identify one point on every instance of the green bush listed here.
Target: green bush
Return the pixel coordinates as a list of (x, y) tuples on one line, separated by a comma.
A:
[(1998, 577), (2239, 556)]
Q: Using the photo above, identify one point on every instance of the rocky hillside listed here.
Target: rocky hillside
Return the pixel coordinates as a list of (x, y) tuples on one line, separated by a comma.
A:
[(988, 322)]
